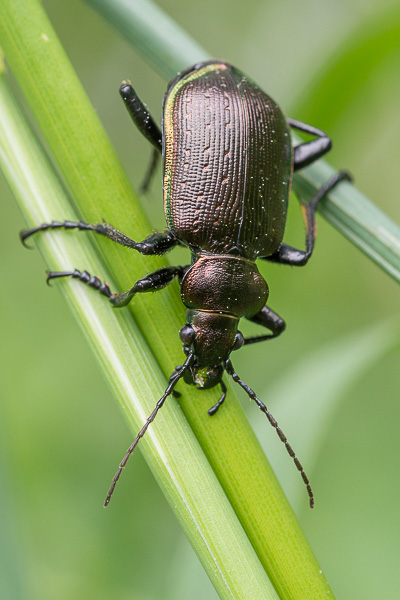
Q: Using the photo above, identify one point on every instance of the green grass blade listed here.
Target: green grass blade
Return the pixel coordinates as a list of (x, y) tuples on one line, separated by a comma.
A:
[(170, 447), (150, 30), (346, 208), (99, 185)]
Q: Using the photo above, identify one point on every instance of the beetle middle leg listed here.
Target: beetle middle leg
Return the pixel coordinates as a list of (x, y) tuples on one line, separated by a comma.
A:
[(152, 282), (293, 256)]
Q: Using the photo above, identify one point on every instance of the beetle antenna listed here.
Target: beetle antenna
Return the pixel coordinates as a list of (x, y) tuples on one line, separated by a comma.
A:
[(273, 422), (176, 376)]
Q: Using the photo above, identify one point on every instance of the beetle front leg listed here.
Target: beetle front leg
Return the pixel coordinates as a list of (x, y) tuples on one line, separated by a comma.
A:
[(177, 370), (287, 255), (269, 319), (211, 411)]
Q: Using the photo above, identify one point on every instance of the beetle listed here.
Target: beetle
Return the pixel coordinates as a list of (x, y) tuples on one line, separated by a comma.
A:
[(228, 162)]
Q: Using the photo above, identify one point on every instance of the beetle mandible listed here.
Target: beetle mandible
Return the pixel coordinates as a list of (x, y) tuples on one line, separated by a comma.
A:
[(228, 167)]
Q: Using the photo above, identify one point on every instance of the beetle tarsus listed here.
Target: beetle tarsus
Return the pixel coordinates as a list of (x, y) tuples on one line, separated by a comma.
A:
[(26, 233), (91, 280)]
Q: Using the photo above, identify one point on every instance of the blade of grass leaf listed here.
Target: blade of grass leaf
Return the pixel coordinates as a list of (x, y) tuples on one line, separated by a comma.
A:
[(89, 165), (346, 208), (170, 447), (150, 30)]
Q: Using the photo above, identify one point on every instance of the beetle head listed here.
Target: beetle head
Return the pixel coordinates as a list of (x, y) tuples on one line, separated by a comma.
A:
[(211, 337)]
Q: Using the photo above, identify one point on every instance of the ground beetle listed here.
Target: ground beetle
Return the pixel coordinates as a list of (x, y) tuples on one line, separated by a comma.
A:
[(228, 166)]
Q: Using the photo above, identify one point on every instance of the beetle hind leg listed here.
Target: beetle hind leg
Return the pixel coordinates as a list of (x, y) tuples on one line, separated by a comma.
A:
[(306, 153), (288, 255)]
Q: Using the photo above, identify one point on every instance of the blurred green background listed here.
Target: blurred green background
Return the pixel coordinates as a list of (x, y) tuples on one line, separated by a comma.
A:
[(332, 380)]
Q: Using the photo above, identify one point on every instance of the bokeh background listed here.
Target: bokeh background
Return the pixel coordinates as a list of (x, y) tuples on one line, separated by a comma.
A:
[(332, 380)]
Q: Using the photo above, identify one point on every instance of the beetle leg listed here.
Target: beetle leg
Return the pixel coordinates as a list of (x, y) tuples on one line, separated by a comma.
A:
[(155, 243), (146, 125), (140, 115), (152, 282), (308, 152), (144, 186), (211, 411), (175, 371), (269, 319), (288, 255)]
